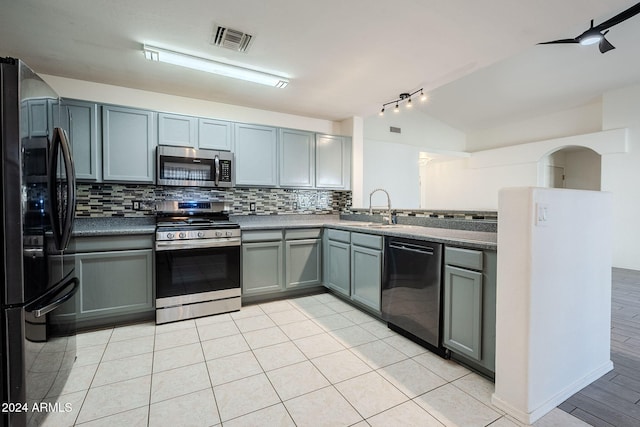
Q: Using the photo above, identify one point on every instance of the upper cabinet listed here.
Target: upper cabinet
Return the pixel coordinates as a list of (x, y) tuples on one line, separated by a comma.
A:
[(333, 162), (175, 129), (128, 144), (256, 151), (81, 121), (194, 132), (215, 134), (297, 158)]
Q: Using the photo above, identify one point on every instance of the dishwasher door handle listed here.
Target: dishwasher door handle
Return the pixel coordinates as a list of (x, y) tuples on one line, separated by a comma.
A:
[(419, 249)]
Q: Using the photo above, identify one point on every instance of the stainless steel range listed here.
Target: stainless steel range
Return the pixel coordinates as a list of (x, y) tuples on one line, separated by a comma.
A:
[(197, 260)]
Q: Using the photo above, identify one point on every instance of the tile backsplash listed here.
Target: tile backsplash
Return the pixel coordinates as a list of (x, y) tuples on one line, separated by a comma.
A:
[(105, 200)]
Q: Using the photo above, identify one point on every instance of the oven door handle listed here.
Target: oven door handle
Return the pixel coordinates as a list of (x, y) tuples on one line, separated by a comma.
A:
[(174, 245)]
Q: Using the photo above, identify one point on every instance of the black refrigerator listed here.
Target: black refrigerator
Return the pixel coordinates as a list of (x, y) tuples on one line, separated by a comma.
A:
[(38, 298)]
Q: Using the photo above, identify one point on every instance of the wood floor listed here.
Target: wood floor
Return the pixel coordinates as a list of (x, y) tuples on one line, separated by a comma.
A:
[(614, 399)]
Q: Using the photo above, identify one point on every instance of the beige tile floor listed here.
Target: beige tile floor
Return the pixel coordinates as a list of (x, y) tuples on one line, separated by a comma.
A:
[(311, 361)]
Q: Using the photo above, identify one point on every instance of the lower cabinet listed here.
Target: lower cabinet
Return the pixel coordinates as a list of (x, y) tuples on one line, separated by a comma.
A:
[(275, 261), (116, 279), (353, 266), (337, 261), (262, 266), (469, 305)]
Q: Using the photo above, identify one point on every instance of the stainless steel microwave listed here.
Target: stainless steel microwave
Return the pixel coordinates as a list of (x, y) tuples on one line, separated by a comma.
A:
[(188, 167)]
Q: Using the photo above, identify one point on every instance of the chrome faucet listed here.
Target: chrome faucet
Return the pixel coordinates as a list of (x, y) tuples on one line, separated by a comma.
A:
[(389, 218)]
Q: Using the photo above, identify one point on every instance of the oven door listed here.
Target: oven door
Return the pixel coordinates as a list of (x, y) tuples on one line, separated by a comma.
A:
[(181, 272)]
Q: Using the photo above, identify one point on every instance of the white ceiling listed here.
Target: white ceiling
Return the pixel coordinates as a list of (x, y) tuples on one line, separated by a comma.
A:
[(344, 57)]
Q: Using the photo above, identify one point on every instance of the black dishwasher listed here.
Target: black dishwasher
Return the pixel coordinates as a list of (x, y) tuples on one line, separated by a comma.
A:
[(411, 290)]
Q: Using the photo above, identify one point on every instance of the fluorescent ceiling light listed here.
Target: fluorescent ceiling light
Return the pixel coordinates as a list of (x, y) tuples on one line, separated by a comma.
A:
[(170, 57)]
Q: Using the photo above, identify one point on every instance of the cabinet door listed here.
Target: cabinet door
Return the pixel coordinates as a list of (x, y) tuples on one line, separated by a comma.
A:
[(262, 266), (215, 134), (333, 162), (366, 274), (337, 264), (303, 263), (83, 135), (175, 129), (37, 111), (463, 311), (128, 145), (114, 283), (297, 158), (256, 155)]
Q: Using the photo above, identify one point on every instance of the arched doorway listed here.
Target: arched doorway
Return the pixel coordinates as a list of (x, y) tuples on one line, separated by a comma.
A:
[(572, 167)]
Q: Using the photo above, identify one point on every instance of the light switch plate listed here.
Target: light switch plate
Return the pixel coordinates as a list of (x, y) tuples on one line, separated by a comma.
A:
[(542, 214)]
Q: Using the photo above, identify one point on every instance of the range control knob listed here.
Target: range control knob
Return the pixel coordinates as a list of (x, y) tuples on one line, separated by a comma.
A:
[(182, 235), (218, 233), (170, 235), (201, 234), (228, 233)]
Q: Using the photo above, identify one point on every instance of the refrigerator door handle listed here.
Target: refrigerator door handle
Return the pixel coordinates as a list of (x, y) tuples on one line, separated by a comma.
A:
[(62, 226), (49, 305)]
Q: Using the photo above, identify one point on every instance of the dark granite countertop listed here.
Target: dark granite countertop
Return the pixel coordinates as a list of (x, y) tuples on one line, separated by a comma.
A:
[(466, 238), (109, 226), (113, 226)]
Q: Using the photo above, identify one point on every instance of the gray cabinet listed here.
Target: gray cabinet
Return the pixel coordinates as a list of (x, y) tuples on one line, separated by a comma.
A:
[(262, 262), (303, 258), (297, 158), (116, 279), (178, 130), (469, 305), (215, 134), (38, 117), (80, 120), (256, 152), (128, 144), (333, 162), (366, 269), (337, 261)]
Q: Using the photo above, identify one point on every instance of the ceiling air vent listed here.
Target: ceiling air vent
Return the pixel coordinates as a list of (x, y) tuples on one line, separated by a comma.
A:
[(394, 129), (231, 39)]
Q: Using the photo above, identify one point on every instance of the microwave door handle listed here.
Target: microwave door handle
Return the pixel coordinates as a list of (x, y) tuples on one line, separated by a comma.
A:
[(71, 189), (216, 162)]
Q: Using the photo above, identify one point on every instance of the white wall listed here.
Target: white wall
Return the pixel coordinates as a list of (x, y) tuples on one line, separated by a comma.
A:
[(576, 121), (90, 91), (474, 183), (621, 174), (394, 167), (553, 319), (418, 130)]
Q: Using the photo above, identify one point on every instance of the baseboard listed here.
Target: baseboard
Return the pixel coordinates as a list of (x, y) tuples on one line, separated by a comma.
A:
[(537, 413)]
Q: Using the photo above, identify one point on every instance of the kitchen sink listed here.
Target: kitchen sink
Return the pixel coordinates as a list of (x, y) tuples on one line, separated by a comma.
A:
[(379, 225)]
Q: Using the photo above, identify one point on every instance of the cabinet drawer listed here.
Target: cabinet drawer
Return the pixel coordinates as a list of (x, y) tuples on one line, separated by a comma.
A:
[(339, 235), (307, 233), (367, 240), (113, 243), (261, 235), (463, 258)]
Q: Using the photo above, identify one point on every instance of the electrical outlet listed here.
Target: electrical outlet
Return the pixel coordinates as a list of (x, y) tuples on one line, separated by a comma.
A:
[(295, 205), (252, 206), (136, 205)]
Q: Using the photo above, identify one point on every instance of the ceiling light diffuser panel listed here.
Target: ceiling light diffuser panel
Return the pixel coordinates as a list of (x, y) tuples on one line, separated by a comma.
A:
[(214, 67)]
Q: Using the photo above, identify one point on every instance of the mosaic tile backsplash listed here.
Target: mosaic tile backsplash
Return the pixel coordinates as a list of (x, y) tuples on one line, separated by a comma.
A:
[(105, 200)]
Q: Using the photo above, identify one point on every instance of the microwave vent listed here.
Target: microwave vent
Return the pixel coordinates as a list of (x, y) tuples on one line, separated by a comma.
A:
[(229, 38)]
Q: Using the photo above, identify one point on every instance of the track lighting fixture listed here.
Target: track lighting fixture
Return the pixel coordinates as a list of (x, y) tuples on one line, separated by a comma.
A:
[(405, 96)]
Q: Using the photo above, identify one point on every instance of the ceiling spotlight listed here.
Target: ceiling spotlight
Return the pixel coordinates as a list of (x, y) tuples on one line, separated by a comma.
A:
[(404, 96), (220, 68)]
